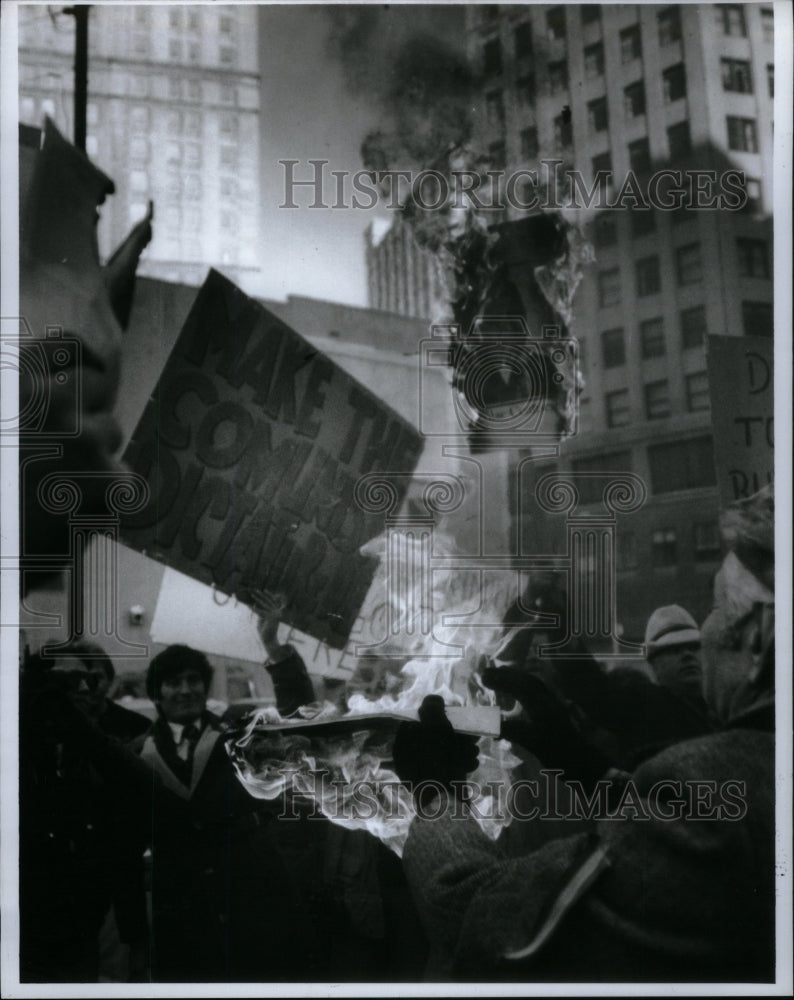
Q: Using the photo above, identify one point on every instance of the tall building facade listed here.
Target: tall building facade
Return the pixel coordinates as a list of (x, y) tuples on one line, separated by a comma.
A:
[(172, 116), (402, 277), (643, 88)]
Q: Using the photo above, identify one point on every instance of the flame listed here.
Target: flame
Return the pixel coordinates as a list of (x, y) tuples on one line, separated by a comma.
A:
[(331, 771)]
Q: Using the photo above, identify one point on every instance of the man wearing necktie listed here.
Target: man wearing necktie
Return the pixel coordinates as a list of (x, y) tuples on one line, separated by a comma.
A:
[(223, 907)]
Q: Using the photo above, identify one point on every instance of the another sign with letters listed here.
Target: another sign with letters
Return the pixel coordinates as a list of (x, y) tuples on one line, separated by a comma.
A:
[(741, 380), (252, 444)]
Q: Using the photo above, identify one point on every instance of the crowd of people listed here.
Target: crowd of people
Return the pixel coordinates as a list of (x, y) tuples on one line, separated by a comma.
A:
[(145, 827)]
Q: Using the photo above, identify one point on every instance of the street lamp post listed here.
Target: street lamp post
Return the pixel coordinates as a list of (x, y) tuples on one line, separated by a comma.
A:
[(80, 15)]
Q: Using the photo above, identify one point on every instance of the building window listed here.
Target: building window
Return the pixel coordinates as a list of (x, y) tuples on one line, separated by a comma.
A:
[(174, 186), (768, 25), (497, 154), (626, 553), (663, 548), (175, 123), (707, 542), (175, 17), (193, 123), (640, 156), (193, 24), (192, 154), (590, 12), (140, 44), (697, 392), (732, 18), (173, 152), (770, 78), (689, 264), (758, 319), (558, 77), (742, 134), (563, 131), (613, 347), (605, 230), (634, 100), (139, 150), (598, 115), (591, 488), (602, 164), (175, 48), (522, 39), (642, 221), (194, 90), (737, 76), (594, 60), (529, 143), (194, 52), (555, 24), (630, 43), (682, 465), (193, 187), (225, 24), (525, 88), (652, 338), (693, 327), (753, 258), (228, 187), (139, 119), (226, 55), (174, 88), (139, 181), (492, 57), (669, 21), (657, 400), (617, 408), (609, 287), (495, 108), (679, 140), (141, 17), (649, 279), (674, 83), (228, 156), (228, 94)]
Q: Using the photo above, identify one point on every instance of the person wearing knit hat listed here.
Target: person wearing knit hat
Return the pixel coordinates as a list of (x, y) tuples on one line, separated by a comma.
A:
[(672, 642)]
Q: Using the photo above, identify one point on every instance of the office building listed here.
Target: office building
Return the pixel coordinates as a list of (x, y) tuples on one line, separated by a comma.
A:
[(642, 88), (172, 116)]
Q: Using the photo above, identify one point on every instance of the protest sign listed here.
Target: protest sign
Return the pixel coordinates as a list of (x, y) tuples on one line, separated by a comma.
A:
[(741, 383), (252, 444)]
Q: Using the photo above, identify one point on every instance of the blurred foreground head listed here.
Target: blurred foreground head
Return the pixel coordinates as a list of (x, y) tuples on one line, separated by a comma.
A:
[(739, 634), (68, 350)]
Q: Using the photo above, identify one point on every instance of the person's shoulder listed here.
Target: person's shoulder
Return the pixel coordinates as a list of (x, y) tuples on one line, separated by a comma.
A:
[(744, 754)]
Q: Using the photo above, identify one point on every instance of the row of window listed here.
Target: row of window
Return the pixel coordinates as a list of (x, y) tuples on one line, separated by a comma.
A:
[(752, 259), (731, 19), (656, 399), (180, 50), (179, 122), (668, 24), (673, 85), (664, 549), (674, 466)]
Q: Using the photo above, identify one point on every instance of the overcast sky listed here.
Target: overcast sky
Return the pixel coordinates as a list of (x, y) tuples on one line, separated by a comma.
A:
[(308, 111)]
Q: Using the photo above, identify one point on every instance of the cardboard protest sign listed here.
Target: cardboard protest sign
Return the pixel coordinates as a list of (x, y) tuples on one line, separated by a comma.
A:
[(252, 444), (741, 381)]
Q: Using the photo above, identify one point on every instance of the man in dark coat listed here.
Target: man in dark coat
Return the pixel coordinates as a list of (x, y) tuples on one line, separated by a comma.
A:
[(676, 884), (222, 902)]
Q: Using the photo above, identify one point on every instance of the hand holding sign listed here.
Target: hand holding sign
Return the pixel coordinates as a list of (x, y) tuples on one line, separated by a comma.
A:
[(269, 608)]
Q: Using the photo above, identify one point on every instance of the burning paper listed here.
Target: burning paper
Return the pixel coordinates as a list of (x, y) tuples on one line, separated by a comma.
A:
[(342, 760)]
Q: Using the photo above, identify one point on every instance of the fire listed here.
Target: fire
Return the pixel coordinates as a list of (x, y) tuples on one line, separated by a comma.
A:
[(349, 775)]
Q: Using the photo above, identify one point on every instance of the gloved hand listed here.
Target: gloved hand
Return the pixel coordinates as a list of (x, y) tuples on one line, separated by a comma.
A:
[(431, 751), (546, 726), (545, 720)]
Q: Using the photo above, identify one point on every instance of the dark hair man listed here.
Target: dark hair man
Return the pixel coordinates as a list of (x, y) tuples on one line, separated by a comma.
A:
[(222, 902)]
